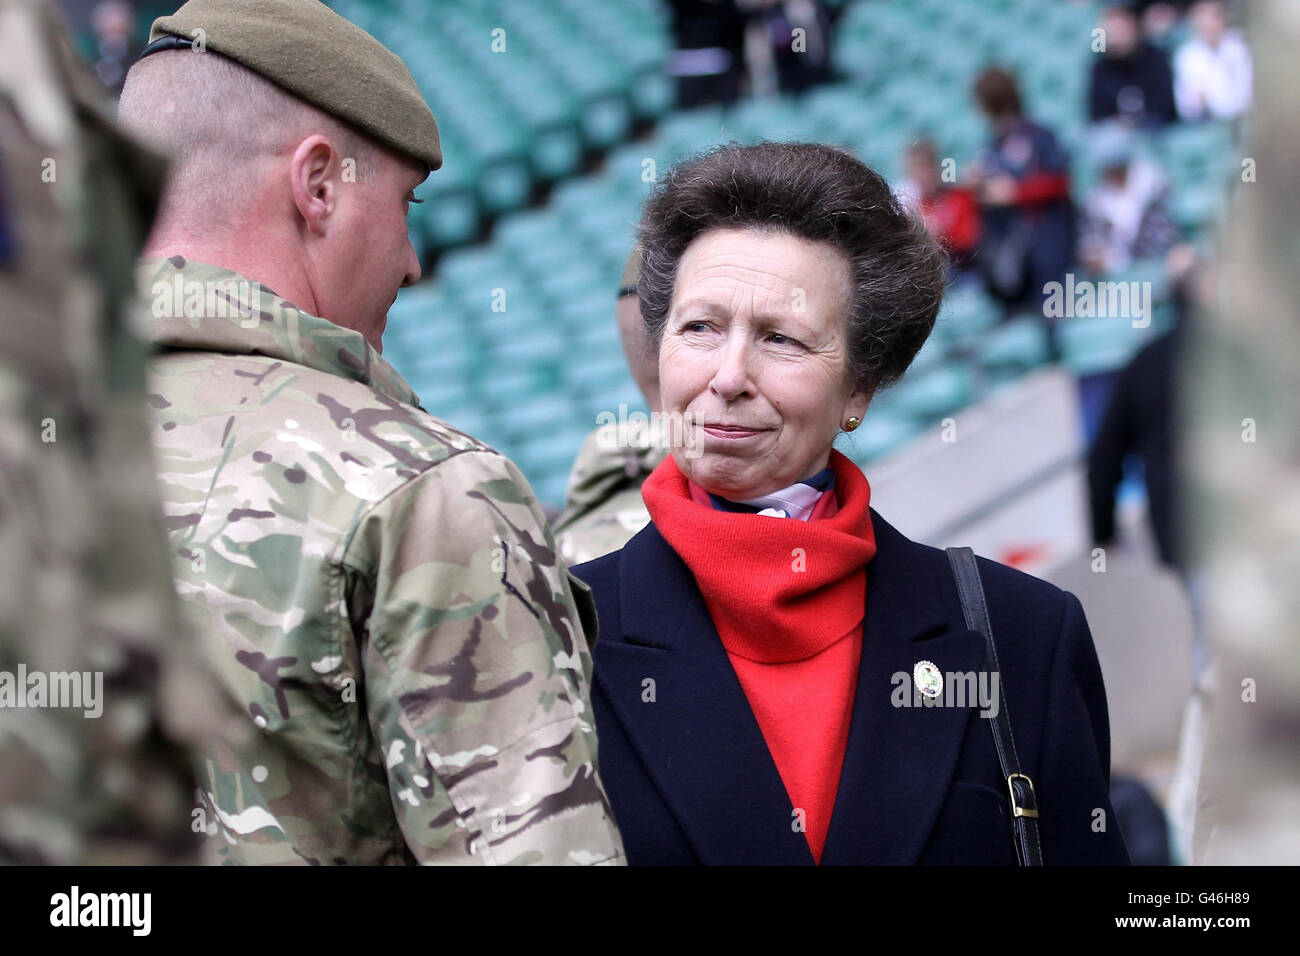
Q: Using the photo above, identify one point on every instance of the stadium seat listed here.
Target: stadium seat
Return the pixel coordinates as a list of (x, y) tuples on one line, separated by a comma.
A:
[(1009, 350), (966, 313), (1094, 345), (929, 396), (881, 433)]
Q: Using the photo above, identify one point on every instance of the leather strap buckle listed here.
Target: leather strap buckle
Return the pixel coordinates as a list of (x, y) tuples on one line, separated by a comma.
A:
[(1017, 809)]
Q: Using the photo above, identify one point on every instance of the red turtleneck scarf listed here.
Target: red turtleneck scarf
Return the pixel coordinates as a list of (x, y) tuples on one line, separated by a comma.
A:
[(788, 599)]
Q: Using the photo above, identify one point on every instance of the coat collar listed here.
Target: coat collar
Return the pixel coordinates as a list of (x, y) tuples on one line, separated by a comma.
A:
[(703, 747), (207, 308)]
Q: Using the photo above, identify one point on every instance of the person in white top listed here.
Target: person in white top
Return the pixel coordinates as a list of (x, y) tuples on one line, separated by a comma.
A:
[(1125, 215), (1212, 70)]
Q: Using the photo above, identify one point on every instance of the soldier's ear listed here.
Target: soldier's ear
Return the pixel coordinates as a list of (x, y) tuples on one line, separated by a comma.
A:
[(312, 181)]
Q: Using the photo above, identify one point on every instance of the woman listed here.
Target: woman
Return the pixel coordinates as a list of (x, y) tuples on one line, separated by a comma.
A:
[(755, 635)]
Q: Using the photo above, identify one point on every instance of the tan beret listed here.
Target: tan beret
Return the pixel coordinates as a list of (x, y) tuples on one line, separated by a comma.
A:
[(317, 55)]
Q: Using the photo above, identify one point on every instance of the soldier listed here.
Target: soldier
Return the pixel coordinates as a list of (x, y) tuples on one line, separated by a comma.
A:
[(377, 590), (1241, 398), (100, 694), (603, 507)]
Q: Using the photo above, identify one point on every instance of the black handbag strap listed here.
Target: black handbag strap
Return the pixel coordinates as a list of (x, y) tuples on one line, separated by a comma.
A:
[(1024, 802)]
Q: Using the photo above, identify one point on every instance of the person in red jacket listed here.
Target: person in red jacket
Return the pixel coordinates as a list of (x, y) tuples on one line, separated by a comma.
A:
[(950, 212), (1022, 181)]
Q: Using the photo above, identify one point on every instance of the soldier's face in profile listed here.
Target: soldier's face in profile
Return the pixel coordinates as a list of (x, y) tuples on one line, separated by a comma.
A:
[(373, 256)]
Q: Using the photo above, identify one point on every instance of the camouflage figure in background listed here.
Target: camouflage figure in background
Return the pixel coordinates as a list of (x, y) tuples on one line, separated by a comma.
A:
[(1242, 392), (603, 507), (378, 591), (86, 590)]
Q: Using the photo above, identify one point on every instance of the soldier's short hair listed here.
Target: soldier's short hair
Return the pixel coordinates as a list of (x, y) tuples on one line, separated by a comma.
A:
[(215, 116), (821, 194)]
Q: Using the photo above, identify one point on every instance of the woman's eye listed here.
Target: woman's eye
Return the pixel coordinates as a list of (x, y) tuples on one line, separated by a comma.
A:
[(776, 338)]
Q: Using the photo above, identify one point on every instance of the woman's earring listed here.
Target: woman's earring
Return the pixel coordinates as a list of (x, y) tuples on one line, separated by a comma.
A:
[(852, 423)]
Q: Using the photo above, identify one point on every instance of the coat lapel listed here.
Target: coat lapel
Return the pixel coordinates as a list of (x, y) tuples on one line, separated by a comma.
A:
[(702, 746), (698, 739), (900, 759)]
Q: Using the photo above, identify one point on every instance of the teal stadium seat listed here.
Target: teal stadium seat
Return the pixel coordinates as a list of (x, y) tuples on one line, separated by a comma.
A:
[(882, 432), (1010, 350), (1094, 345), (571, 78), (934, 394), (965, 315)]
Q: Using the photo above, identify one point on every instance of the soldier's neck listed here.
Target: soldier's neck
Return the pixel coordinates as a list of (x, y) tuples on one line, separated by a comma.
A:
[(281, 274)]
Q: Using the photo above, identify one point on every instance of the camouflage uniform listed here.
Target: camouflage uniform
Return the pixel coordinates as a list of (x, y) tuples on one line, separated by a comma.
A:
[(603, 508), (1241, 398), (379, 593), (86, 586)]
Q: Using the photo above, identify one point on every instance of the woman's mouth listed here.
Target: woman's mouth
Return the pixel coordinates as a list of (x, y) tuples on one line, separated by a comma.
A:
[(731, 432)]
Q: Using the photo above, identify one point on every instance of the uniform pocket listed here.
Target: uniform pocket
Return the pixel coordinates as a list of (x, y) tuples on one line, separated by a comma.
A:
[(973, 829)]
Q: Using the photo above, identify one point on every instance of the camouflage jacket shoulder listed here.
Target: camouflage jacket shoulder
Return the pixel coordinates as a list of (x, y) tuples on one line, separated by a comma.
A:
[(603, 508), (379, 593)]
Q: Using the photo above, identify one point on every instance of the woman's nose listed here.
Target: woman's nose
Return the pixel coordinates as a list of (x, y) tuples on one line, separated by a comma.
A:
[(731, 378)]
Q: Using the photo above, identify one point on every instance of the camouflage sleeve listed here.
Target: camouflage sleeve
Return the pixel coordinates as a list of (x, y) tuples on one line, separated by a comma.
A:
[(477, 672)]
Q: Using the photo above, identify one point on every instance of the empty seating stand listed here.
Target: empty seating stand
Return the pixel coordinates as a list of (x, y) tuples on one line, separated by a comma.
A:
[(514, 339)]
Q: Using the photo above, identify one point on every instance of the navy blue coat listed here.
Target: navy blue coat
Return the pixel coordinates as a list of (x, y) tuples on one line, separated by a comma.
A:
[(690, 778)]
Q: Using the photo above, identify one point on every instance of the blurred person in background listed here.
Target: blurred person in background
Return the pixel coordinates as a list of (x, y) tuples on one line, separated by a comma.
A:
[(1022, 181), (603, 506), (709, 59), (116, 42), (1160, 18), (779, 59), (1212, 70), (377, 591), (949, 212), (1131, 79), (756, 636), (106, 778), (1125, 216), (1141, 420)]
